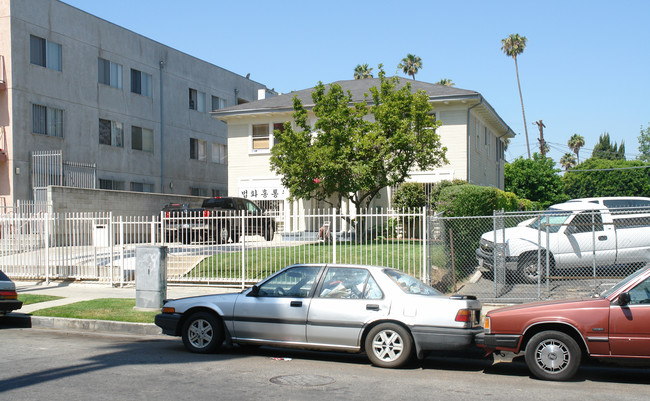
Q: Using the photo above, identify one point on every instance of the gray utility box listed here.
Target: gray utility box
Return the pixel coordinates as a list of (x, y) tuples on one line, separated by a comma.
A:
[(150, 276)]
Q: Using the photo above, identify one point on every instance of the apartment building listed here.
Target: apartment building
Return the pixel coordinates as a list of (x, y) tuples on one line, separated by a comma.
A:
[(87, 103)]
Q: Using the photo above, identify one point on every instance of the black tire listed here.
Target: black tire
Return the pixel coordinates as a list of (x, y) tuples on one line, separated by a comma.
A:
[(553, 355), (202, 333), (527, 271), (389, 345), (235, 237)]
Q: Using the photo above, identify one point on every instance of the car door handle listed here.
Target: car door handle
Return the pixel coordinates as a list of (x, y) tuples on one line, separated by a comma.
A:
[(372, 307), (602, 238), (296, 303)]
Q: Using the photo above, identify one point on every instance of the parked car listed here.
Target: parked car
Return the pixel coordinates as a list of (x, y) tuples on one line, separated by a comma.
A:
[(557, 335), (220, 219), (8, 295), (577, 232), (384, 312)]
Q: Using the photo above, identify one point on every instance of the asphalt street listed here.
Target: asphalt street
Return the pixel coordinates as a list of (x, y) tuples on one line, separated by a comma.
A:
[(64, 365)]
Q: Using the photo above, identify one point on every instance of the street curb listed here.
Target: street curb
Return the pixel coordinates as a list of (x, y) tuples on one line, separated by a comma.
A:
[(87, 325)]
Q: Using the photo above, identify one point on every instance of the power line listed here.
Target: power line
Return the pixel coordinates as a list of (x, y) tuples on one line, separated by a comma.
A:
[(607, 169)]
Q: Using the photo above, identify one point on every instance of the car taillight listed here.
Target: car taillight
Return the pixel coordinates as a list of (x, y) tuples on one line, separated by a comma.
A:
[(486, 324), (206, 213), (167, 215), (464, 315), (8, 294)]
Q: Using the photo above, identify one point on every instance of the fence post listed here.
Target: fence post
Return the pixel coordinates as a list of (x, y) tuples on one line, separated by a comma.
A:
[(121, 251), (111, 240), (163, 228), (424, 229), (47, 248), (333, 235), (242, 236)]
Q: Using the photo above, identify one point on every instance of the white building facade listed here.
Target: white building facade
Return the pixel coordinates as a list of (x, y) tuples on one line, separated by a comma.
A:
[(84, 102)]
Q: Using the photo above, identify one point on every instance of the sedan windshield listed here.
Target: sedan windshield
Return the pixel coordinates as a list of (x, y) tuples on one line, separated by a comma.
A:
[(553, 218), (622, 283), (410, 284)]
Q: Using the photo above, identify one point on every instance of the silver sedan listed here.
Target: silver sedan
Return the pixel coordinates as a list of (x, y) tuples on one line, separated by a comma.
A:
[(384, 312)]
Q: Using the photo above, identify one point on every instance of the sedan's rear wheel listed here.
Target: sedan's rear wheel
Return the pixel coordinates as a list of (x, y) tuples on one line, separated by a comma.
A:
[(389, 345), (553, 355), (202, 333)]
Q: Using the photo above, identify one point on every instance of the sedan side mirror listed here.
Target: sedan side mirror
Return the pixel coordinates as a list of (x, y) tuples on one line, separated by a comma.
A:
[(624, 298), (255, 290)]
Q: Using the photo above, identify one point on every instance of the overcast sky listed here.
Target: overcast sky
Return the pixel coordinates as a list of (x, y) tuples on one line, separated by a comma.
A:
[(585, 69)]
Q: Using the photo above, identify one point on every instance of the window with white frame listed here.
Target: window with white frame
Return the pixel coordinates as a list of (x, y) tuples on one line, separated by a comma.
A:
[(261, 137), (109, 73), (45, 53), (218, 103), (477, 135), (197, 100), (140, 83), (141, 187), (111, 133), (219, 153), (488, 142), (141, 139), (197, 149), (47, 120), (111, 184)]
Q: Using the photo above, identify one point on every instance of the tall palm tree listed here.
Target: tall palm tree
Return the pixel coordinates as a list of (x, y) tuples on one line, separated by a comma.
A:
[(513, 46), (568, 161), (362, 71), (575, 143), (410, 65), (446, 82)]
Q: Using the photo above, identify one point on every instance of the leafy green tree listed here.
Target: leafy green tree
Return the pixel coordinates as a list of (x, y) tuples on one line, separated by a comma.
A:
[(410, 65), (575, 143), (362, 71), (446, 82), (347, 155), (644, 144), (513, 46), (612, 178), (536, 179), (409, 195), (604, 149), (568, 161)]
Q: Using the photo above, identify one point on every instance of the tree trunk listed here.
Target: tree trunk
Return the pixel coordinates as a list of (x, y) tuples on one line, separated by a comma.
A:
[(521, 98)]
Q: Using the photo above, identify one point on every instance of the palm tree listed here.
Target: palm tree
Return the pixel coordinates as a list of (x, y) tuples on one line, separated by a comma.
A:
[(362, 71), (568, 161), (410, 65), (446, 82), (513, 46), (575, 143)]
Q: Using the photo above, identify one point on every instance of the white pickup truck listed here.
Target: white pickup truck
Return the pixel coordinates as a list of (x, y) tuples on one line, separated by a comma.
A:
[(579, 234)]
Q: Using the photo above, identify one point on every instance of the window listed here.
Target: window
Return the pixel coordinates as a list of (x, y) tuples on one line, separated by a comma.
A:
[(219, 153), (197, 149), (111, 184), (294, 283), (141, 139), (197, 191), (44, 53), (109, 73), (47, 120), (487, 140), (141, 187), (499, 149), (277, 127), (140, 83), (261, 140), (477, 130), (218, 103), (197, 100), (111, 133), (343, 282), (586, 222)]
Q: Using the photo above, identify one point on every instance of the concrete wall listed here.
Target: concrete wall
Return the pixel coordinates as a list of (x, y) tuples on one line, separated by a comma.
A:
[(121, 203)]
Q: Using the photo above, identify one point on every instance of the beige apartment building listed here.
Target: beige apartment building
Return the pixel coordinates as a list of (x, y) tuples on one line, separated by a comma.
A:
[(87, 103)]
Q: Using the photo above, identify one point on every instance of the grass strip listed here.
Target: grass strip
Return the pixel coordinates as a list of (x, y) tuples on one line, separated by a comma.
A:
[(113, 309), (29, 299)]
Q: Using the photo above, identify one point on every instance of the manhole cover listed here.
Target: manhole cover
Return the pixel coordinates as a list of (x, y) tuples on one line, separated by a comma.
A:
[(302, 380)]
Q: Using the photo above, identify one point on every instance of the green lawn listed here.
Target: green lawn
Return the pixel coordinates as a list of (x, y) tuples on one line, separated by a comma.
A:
[(114, 309), (29, 299), (261, 262)]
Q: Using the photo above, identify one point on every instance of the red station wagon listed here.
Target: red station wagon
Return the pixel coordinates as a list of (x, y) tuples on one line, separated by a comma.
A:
[(556, 335)]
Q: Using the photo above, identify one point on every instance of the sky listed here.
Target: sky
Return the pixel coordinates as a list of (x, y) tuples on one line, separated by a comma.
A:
[(585, 69)]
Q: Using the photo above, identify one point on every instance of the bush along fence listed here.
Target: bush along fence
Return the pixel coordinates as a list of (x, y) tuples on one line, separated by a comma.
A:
[(506, 257)]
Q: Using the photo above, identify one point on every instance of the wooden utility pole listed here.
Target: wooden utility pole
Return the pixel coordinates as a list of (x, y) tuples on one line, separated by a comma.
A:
[(542, 143)]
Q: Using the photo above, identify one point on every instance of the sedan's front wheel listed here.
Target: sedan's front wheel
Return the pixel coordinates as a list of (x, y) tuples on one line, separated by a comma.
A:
[(389, 345), (202, 333), (553, 355)]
